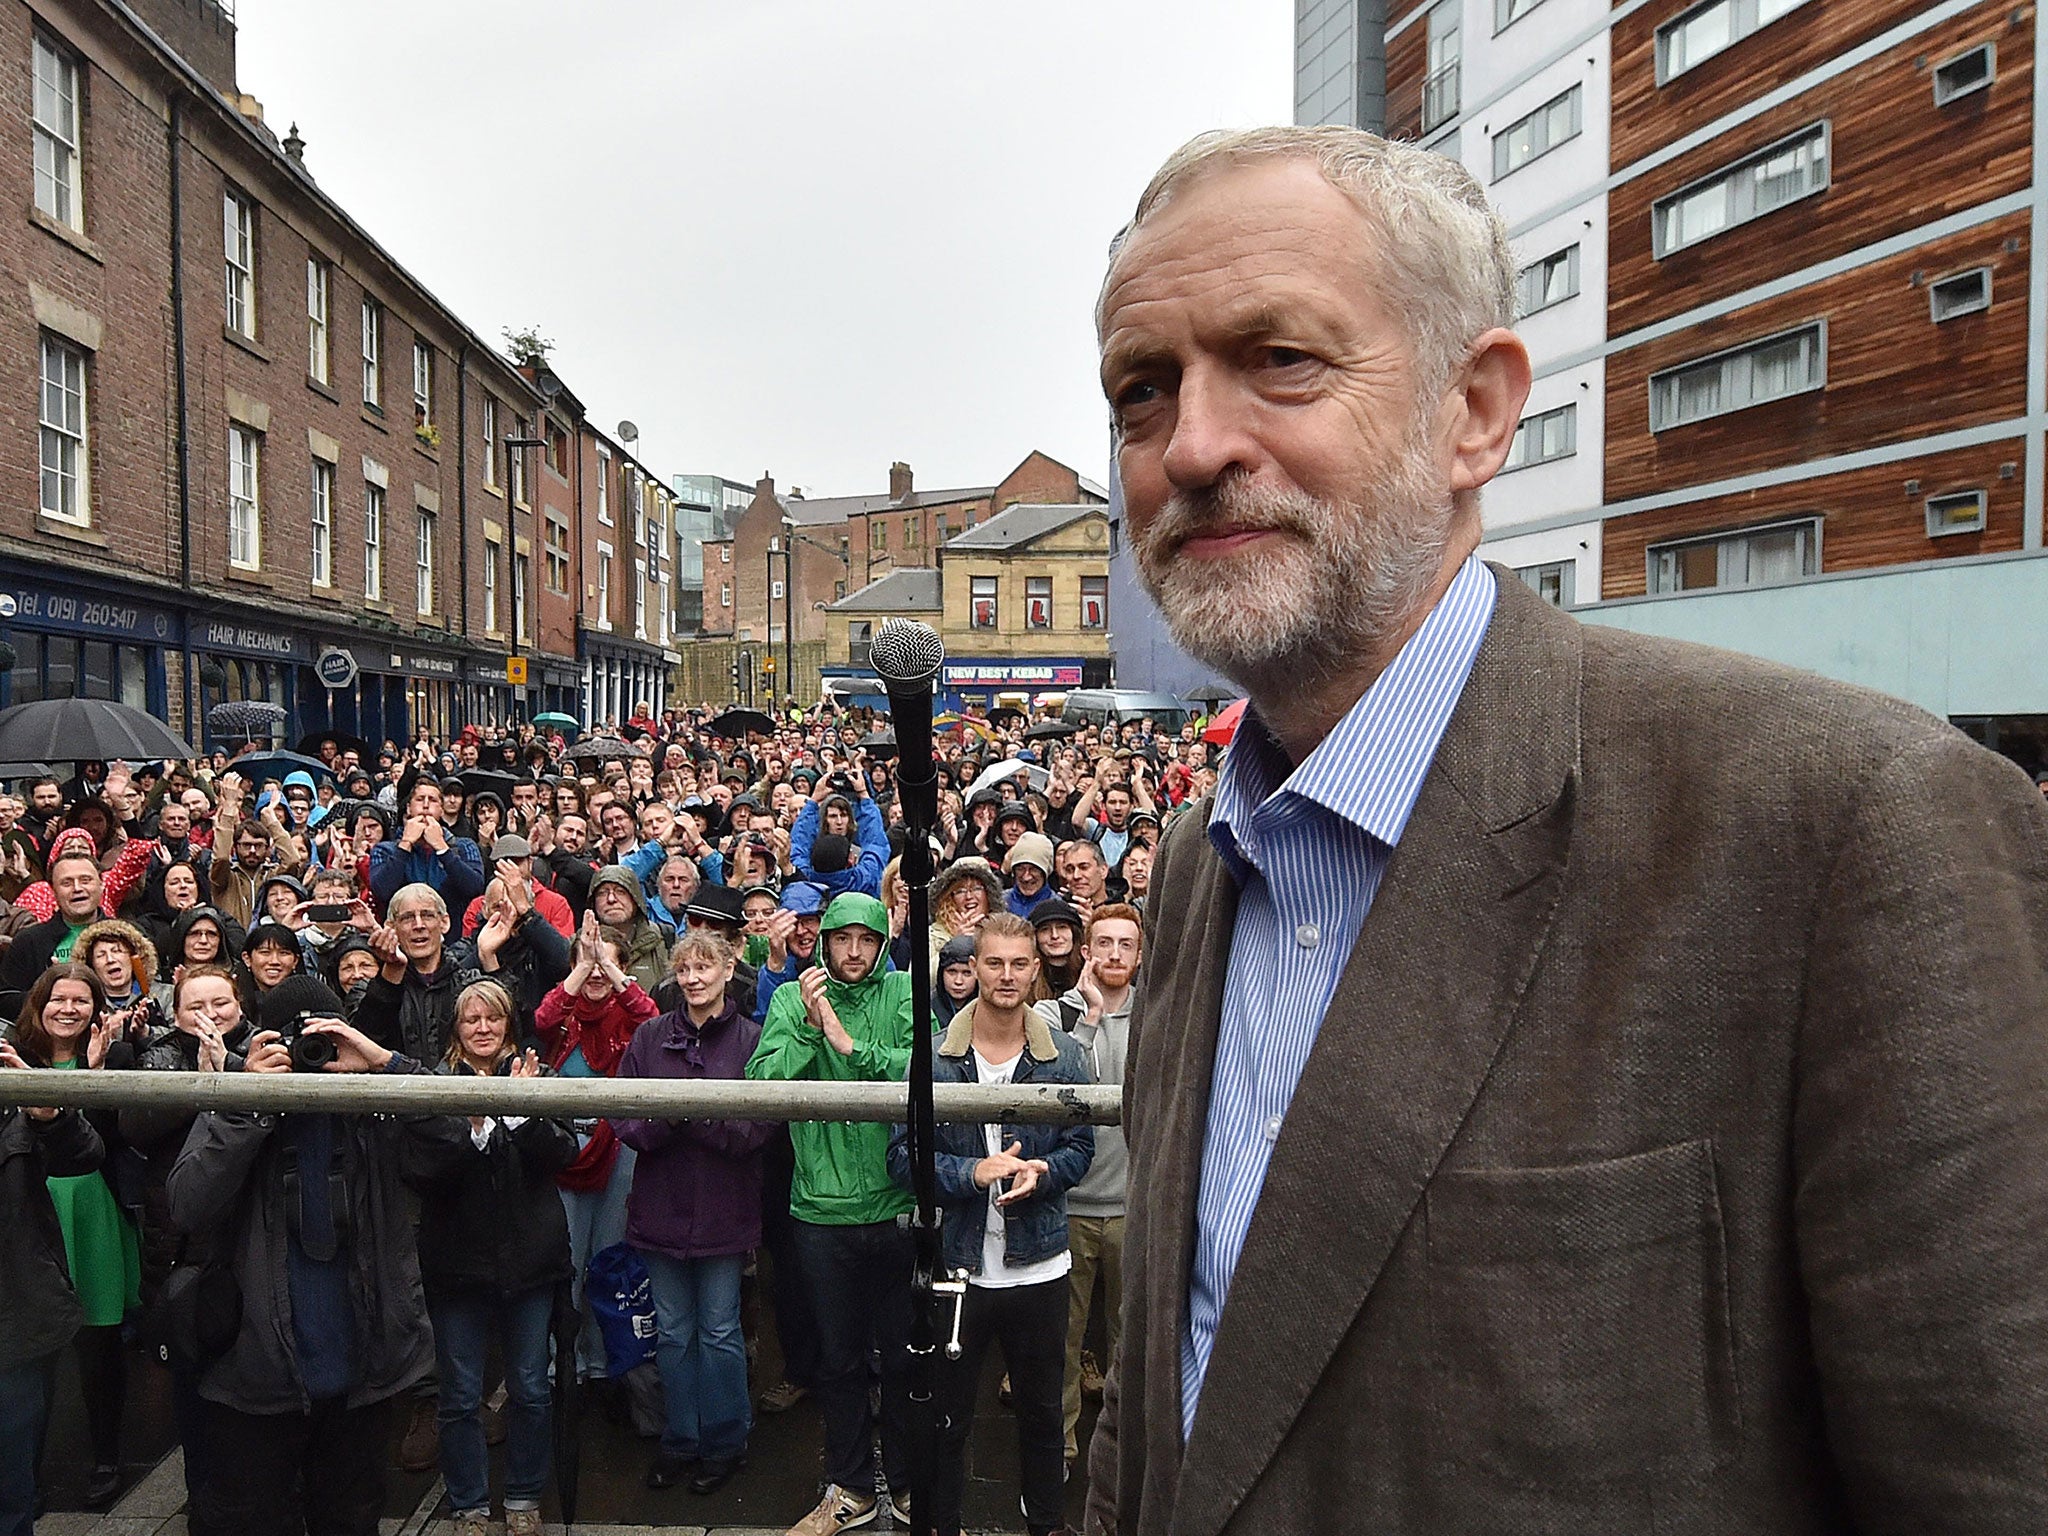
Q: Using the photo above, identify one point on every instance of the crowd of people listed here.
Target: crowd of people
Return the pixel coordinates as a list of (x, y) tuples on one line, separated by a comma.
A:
[(672, 902)]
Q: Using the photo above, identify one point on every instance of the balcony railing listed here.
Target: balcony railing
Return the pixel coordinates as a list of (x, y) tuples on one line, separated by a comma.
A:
[(1440, 97)]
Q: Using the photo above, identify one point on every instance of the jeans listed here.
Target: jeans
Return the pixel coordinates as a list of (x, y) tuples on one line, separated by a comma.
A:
[(25, 1392), (702, 1355), (463, 1329), (319, 1473), (859, 1283), (1096, 1243), (1030, 1322), (597, 1219)]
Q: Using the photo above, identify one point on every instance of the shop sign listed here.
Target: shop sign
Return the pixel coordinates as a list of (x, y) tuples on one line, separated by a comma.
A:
[(1013, 674), (336, 668), (43, 607), (420, 664), (252, 639)]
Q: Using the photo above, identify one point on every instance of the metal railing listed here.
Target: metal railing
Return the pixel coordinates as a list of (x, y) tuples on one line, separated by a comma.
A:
[(566, 1097), (1440, 95)]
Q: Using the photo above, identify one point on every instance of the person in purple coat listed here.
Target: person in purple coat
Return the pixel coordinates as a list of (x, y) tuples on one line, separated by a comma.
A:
[(694, 1214)]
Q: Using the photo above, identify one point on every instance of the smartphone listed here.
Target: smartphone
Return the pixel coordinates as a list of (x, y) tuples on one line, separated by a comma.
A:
[(328, 912)]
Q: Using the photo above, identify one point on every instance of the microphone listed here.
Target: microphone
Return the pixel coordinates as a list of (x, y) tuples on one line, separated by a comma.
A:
[(906, 655)]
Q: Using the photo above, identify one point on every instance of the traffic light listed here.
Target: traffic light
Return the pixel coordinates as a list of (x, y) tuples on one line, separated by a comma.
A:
[(768, 664)]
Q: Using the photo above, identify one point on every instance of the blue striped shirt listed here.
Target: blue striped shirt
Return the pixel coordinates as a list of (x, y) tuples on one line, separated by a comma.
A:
[(1307, 847)]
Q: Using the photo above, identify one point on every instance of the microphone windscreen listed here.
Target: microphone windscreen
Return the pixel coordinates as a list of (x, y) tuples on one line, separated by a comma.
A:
[(906, 652), (297, 996)]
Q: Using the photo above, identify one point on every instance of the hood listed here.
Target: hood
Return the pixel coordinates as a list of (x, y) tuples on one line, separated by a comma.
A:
[(613, 874), (137, 941), (959, 872), (291, 882), (230, 931), (852, 909)]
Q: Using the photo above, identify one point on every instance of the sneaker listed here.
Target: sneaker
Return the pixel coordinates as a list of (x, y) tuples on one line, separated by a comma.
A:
[(1091, 1377), (667, 1471), (899, 1506), (783, 1396), (420, 1450), (471, 1522), (522, 1522), (101, 1487), (840, 1510), (712, 1475), (1003, 1390)]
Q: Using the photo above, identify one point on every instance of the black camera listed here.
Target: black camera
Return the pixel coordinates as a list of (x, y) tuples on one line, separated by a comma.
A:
[(842, 782), (289, 1007), (309, 1052)]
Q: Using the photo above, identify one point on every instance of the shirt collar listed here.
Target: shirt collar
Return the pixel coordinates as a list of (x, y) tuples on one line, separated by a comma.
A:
[(1369, 769)]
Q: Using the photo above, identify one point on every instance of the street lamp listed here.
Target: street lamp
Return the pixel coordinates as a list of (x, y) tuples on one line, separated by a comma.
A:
[(514, 445)]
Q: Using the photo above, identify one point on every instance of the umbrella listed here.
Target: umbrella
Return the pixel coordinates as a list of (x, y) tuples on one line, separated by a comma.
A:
[(1007, 769), (1052, 730), (310, 742), (85, 730), (1004, 712), (559, 721), (878, 744), (247, 720), (741, 722), (1212, 695), (258, 766), (592, 748), (477, 781), (1224, 726), (567, 1325)]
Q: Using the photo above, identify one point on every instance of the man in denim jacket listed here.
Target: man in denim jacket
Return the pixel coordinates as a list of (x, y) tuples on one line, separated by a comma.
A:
[(1004, 1189)]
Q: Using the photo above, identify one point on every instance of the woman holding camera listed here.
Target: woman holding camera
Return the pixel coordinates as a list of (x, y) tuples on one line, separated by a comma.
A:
[(494, 1248), (65, 1024)]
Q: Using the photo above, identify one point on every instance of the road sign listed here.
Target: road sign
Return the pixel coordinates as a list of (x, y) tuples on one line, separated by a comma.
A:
[(515, 671)]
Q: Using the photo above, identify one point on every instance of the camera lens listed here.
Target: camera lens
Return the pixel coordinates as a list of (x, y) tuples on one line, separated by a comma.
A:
[(312, 1053)]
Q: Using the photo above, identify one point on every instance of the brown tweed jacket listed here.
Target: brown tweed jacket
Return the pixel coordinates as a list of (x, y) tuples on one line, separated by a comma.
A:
[(1674, 1154)]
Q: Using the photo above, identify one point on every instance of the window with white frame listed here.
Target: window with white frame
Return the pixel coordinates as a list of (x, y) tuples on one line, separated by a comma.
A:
[(1095, 602), (321, 563), (1545, 436), (521, 564), (604, 487), (60, 193), (1754, 373), (373, 542), (725, 554), (1956, 512), (238, 233), (604, 587), (515, 463), (423, 564), (1960, 293), (1965, 74), (557, 554), (1507, 12), (1552, 582), (1691, 39), (1747, 557), (1443, 64), (1038, 602), (725, 594), (422, 385), (1549, 281), (1536, 135), (245, 502), (373, 353), (490, 586), (319, 294), (981, 602), (1791, 169), (491, 441), (640, 599), (67, 491)]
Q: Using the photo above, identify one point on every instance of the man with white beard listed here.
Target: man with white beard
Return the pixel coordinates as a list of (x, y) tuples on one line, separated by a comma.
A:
[(1580, 1082)]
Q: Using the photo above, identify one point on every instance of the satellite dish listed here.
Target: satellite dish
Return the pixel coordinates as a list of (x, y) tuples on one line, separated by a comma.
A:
[(628, 433)]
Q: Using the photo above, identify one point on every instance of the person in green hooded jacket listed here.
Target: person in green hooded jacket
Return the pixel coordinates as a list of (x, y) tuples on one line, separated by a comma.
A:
[(849, 1020)]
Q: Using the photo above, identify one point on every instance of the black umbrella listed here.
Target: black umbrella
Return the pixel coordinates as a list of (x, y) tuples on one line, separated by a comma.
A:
[(258, 766), (247, 719), (310, 743), (1052, 730), (478, 781), (568, 1402), (594, 748), (741, 722), (878, 744), (85, 730), (1004, 712)]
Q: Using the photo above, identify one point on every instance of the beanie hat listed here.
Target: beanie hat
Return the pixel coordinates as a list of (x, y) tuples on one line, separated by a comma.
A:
[(1033, 848)]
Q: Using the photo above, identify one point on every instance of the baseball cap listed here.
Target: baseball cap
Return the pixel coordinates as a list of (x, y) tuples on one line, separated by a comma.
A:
[(803, 898)]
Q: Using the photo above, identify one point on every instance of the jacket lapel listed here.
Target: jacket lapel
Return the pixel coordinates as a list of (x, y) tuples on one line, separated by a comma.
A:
[(1417, 1019)]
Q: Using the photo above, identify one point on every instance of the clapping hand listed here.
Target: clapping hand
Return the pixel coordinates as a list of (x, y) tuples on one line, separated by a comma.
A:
[(527, 1064), (9, 1057), (1090, 990)]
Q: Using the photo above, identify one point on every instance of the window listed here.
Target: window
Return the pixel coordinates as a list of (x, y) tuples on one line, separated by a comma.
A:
[(604, 487), (1734, 380), (860, 642), (1708, 29), (1440, 83), (558, 449), (1787, 171), (319, 288), (1955, 512), (238, 229), (521, 566), (1549, 281), (66, 468), (373, 542), (490, 586), (838, 590), (604, 588), (321, 563), (1963, 75), (515, 466), (640, 602), (1537, 134), (422, 386), (981, 602), (58, 190), (725, 594), (1038, 602), (245, 509), (939, 530), (1963, 293), (775, 590), (423, 568), (725, 554), (373, 353), (1507, 12), (1751, 557), (491, 441), (1095, 602), (557, 554), (1552, 583), (1545, 436), (878, 534), (909, 532)]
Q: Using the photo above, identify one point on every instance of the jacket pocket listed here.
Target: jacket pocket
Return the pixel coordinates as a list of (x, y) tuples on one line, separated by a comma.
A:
[(1578, 1319)]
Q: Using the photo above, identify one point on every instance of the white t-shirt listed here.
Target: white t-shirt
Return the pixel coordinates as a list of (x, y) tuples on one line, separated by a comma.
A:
[(996, 1274)]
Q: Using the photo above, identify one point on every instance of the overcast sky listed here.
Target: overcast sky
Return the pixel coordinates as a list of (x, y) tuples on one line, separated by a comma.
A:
[(802, 236)]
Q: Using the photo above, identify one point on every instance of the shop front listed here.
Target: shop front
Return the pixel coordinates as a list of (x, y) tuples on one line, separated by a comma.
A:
[(71, 642), (620, 677), (985, 683), (560, 685), (489, 697), (245, 661)]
